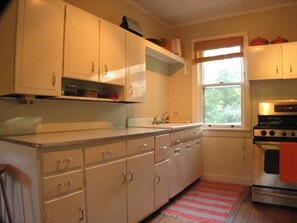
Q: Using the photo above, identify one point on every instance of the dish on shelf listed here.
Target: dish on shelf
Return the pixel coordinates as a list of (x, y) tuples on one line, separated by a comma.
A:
[(279, 39), (258, 41)]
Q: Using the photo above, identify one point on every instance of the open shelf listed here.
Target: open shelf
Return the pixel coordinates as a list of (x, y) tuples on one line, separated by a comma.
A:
[(162, 54)]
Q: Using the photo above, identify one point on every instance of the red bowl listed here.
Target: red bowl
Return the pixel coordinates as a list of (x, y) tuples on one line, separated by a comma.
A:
[(279, 40), (258, 41)]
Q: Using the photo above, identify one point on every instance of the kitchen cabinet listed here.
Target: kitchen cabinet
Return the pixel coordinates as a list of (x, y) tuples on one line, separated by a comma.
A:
[(32, 47), (197, 159), (66, 209), (264, 62), (140, 178), (275, 61), (289, 60), (62, 180), (112, 54), (81, 49), (106, 166), (135, 86), (188, 162), (161, 183)]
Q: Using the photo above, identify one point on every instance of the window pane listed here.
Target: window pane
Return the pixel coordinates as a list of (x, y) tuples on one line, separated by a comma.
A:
[(222, 71), (222, 105)]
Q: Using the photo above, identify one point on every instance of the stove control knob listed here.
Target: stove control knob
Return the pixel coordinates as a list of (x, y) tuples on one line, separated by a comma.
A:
[(263, 133), (293, 134), (271, 133), (284, 134)]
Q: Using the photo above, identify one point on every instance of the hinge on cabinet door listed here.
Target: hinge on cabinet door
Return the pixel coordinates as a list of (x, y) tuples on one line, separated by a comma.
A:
[(27, 99)]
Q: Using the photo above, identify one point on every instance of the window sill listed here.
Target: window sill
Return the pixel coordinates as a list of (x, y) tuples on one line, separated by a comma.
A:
[(227, 132)]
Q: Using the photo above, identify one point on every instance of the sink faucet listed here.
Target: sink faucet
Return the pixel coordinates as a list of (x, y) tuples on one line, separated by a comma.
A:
[(165, 117)]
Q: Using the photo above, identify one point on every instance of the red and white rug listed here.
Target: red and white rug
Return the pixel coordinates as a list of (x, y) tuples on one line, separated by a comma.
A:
[(205, 202)]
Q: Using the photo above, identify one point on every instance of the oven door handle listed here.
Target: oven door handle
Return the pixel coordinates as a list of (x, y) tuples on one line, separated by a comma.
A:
[(267, 143)]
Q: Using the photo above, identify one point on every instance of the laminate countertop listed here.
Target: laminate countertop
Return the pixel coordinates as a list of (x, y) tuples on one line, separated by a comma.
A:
[(82, 137)]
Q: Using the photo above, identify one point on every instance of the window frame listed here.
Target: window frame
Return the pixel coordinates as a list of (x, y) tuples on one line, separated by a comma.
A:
[(198, 87)]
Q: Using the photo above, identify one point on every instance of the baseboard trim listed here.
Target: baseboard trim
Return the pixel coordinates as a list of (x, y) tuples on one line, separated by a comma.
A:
[(228, 179)]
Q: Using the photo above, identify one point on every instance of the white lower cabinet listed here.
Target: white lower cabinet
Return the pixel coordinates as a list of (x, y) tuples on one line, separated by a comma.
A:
[(176, 169), (106, 192), (197, 155), (161, 183), (69, 208)]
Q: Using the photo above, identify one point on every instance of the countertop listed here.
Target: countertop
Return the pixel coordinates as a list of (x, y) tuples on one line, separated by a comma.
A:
[(81, 137)]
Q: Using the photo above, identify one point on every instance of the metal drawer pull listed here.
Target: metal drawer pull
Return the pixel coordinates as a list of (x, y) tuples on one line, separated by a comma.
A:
[(68, 160), (107, 154), (163, 148), (68, 183), (177, 150), (177, 141), (276, 69), (106, 70), (93, 66), (54, 79), (131, 175), (82, 215), (124, 177), (188, 146), (158, 179), (143, 147), (291, 70)]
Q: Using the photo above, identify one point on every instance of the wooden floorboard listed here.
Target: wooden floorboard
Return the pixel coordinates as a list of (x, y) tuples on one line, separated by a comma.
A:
[(245, 211)]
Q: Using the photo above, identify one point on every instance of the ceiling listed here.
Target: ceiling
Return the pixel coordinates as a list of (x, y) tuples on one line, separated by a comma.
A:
[(174, 13)]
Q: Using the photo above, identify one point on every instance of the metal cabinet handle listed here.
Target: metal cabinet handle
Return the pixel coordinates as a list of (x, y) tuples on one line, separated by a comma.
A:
[(93, 66), (107, 154), (131, 175), (106, 69), (188, 146), (143, 147), (68, 183), (276, 69), (163, 148), (82, 215), (54, 79), (131, 90), (177, 141), (158, 179), (67, 160), (124, 177), (177, 150), (291, 69)]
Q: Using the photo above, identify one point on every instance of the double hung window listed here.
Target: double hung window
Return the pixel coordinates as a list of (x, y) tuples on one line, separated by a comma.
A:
[(220, 68)]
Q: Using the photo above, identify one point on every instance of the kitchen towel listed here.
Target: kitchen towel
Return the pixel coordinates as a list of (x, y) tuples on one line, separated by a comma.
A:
[(206, 201), (288, 162)]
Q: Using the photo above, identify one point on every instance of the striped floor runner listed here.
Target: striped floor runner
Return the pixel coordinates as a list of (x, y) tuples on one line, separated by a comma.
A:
[(205, 202)]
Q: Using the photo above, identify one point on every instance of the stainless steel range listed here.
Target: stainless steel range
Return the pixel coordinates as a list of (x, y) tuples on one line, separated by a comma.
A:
[(277, 122)]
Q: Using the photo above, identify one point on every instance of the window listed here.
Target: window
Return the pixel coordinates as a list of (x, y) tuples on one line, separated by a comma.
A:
[(220, 66)]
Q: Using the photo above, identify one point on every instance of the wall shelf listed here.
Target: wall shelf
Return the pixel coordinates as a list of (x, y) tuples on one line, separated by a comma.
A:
[(162, 54)]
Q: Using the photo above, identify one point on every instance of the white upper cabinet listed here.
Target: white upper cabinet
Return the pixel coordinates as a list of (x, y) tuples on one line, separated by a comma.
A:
[(112, 54), (81, 56), (32, 64), (276, 61), (135, 68), (264, 62), (289, 60)]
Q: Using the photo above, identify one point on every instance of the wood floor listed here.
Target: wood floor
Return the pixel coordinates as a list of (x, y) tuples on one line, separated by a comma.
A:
[(245, 211)]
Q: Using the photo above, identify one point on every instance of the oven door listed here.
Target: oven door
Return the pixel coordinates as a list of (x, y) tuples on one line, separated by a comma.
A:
[(266, 166), (266, 185)]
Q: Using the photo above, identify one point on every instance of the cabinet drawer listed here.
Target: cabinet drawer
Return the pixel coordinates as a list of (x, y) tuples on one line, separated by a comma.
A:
[(140, 145), (62, 184), (61, 160), (177, 137), (162, 143), (104, 152), (193, 133)]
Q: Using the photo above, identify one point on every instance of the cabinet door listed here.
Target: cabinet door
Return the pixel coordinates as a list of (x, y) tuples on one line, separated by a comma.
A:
[(39, 47), (197, 158), (289, 60), (81, 56), (140, 186), (188, 163), (161, 184), (106, 192), (66, 209), (112, 54), (176, 169), (135, 68), (264, 62)]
